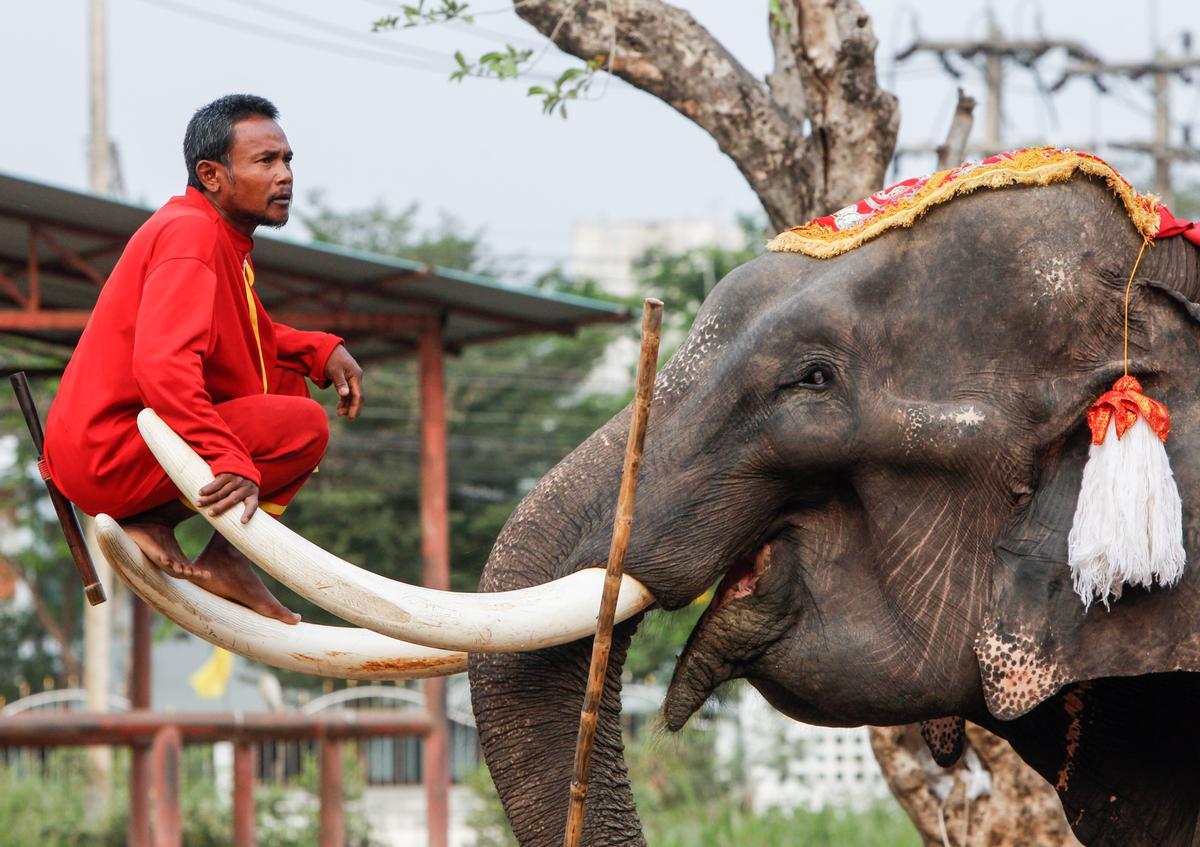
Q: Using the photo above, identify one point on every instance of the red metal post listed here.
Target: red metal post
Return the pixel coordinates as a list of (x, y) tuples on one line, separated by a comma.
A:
[(166, 753), (34, 301), (139, 698), (435, 567), (333, 825), (245, 756)]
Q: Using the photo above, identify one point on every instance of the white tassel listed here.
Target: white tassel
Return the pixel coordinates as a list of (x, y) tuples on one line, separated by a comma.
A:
[(1128, 525)]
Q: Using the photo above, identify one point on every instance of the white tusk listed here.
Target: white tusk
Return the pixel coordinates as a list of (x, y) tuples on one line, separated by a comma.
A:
[(338, 651), (556, 612)]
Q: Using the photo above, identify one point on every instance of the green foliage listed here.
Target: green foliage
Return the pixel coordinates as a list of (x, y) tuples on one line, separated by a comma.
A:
[(571, 84), (497, 64), (728, 825), (779, 20), (659, 639), (1187, 202), (506, 63), (685, 800), (42, 803), (486, 817), (420, 14), (379, 229), (683, 280), (34, 550)]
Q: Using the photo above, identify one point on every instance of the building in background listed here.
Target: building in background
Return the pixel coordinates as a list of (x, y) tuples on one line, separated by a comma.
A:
[(788, 764), (607, 250)]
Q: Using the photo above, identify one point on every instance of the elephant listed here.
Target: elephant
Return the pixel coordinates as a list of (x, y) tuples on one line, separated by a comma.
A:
[(876, 457)]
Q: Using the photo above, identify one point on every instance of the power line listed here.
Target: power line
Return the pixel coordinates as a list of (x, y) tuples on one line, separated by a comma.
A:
[(297, 39), (345, 32), (1160, 69), (997, 50)]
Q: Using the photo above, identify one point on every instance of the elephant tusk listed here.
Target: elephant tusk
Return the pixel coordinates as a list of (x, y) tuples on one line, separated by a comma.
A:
[(556, 612), (337, 651)]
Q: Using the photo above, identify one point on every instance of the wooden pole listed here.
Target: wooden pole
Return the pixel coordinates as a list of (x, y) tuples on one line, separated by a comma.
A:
[(954, 150), (602, 644), (93, 589)]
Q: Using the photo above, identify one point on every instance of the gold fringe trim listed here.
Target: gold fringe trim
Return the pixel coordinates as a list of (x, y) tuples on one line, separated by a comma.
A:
[(1035, 166)]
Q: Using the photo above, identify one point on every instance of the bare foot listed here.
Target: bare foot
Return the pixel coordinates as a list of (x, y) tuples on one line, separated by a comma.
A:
[(231, 575), (157, 540)]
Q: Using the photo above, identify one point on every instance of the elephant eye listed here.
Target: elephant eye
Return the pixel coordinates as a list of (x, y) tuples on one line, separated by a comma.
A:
[(814, 376)]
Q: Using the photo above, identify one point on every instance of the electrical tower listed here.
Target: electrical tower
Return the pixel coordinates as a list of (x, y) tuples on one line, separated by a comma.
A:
[(990, 55), (1159, 71)]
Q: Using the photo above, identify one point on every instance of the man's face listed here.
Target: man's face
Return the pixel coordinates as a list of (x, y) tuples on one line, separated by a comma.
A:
[(255, 187)]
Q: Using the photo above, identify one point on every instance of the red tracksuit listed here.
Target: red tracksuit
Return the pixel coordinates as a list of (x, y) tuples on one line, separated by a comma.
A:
[(179, 329)]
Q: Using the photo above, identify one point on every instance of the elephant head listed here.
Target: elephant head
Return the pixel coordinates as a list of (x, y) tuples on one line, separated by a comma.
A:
[(877, 456)]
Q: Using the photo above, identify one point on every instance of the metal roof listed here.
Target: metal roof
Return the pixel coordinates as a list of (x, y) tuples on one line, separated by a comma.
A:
[(376, 302)]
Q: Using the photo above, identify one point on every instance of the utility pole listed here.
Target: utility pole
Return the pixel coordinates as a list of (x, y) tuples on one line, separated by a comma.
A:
[(99, 150), (1160, 69), (996, 50), (994, 80), (97, 620)]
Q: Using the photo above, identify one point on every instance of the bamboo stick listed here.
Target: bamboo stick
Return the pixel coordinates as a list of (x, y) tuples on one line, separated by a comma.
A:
[(647, 364)]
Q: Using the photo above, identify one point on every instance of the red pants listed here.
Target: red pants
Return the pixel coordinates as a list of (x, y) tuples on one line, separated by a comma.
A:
[(285, 436)]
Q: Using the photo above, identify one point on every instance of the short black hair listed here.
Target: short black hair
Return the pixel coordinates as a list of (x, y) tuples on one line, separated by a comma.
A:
[(209, 133)]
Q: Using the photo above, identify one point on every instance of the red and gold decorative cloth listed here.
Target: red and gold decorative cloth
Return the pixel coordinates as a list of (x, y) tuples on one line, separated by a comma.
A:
[(903, 203), (1122, 405)]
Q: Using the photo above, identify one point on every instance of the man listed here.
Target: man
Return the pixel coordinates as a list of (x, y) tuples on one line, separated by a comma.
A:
[(178, 328)]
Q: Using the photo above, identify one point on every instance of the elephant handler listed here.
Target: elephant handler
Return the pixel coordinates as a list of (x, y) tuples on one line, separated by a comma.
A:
[(178, 329)]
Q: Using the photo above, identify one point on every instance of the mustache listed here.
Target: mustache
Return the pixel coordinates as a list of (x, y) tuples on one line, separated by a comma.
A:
[(282, 195)]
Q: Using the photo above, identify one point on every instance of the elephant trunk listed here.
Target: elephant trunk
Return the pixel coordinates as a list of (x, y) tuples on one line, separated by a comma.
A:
[(527, 705), (527, 710)]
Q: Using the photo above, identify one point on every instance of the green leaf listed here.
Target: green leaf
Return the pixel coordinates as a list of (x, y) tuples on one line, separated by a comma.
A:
[(778, 19), (385, 23)]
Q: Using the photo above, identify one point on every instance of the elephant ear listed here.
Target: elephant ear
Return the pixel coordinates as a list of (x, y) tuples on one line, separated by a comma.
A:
[(1092, 700), (1037, 637)]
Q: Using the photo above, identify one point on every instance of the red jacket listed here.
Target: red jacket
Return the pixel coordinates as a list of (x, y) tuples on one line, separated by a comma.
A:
[(177, 328)]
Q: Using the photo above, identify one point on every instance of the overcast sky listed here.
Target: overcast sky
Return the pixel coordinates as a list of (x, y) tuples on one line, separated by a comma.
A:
[(373, 116)]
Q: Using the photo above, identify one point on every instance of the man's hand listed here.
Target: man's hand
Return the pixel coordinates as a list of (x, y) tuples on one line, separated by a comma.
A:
[(225, 492), (346, 376)]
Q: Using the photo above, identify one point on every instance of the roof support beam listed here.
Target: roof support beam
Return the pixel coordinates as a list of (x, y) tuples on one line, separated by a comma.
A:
[(14, 319), (10, 288), (24, 319), (351, 321), (70, 256)]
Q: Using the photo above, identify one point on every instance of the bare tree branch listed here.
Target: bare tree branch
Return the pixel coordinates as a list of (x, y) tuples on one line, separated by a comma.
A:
[(824, 71)]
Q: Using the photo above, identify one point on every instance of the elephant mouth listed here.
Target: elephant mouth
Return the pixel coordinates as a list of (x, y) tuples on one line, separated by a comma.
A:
[(741, 580), (707, 659)]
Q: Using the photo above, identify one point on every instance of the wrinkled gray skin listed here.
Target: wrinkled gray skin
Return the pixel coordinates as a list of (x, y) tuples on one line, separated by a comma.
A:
[(892, 541)]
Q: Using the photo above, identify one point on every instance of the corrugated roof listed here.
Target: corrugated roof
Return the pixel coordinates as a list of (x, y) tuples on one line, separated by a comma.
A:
[(369, 299)]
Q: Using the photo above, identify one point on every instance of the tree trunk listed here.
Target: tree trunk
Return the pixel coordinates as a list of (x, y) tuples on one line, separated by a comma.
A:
[(817, 134), (990, 798)]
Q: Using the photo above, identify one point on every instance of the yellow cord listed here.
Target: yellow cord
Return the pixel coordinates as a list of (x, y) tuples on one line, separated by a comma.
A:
[(1128, 289)]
